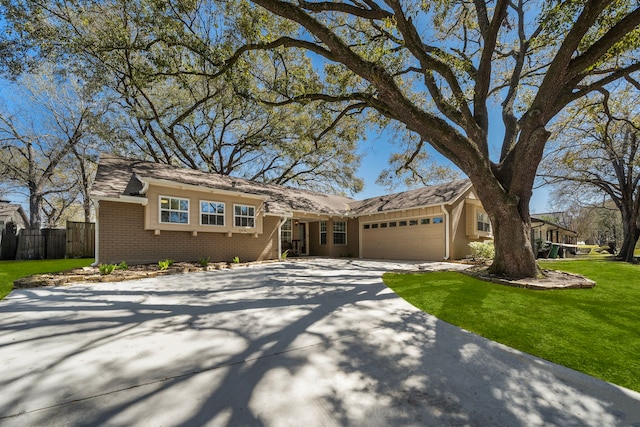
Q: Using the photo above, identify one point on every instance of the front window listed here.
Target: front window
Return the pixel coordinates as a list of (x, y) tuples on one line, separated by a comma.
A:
[(244, 216), (323, 232), (174, 210), (483, 222), (339, 232), (211, 213), (286, 232)]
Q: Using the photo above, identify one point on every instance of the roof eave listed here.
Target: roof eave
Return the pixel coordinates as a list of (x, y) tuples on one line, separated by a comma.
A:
[(122, 199), (146, 181)]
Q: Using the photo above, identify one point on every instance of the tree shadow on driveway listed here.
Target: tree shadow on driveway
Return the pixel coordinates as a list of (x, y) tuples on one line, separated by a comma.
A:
[(321, 342)]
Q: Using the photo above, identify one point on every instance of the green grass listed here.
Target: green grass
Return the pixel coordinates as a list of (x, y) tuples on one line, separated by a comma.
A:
[(13, 270), (595, 331)]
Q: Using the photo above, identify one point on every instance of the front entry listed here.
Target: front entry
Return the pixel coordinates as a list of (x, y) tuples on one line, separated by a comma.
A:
[(303, 231)]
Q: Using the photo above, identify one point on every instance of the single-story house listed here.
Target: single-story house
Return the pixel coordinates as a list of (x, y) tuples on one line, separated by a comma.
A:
[(147, 212), (545, 233), (12, 213)]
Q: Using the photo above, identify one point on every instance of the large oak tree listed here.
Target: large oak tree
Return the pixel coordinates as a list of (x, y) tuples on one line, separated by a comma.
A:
[(440, 67)]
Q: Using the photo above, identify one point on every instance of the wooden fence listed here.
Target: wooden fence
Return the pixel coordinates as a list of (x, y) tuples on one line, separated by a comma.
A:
[(77, 240), (81, 239)]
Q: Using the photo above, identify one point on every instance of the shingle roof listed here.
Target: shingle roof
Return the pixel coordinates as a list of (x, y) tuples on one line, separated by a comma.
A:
[(425, 196), (119, 176), (7, 209), (539, 218)]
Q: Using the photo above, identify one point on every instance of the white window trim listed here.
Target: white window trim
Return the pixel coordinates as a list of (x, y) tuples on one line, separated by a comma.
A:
[(326, 234), (160, 210), (224, 213), (289, 231), (483, 215), (333, 232), (242, 216)]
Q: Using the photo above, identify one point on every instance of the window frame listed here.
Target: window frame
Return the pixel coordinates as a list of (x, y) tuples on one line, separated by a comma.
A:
[(483, 218), (170, 210), (336, 233), (242, 216), (284, 231), (223, 214), (323, 233)]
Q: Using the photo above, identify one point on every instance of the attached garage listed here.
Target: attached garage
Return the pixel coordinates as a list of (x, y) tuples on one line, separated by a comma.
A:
[(421, 238)]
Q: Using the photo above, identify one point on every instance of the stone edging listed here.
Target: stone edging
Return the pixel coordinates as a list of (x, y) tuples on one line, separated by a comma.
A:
[(554, 280), (136, 272)]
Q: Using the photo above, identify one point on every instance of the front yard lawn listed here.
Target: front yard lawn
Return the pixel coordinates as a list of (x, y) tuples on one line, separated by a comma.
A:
[(13, 270), (595, 331)]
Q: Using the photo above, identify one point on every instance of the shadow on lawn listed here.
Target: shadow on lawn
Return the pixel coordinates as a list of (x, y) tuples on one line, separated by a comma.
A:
[(282, 344)]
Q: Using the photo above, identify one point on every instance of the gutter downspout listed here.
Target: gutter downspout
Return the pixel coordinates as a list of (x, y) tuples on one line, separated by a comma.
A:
[(446, 231), (96, 262)]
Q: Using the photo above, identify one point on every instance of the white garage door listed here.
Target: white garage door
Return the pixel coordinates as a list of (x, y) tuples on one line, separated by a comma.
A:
[(411, 239)]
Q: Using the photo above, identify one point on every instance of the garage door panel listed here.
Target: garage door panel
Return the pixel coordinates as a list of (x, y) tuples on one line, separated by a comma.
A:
[(422, 242)]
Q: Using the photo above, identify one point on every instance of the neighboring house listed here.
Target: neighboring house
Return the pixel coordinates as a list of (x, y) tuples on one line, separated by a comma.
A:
[(148, 211), (544, 233), (10, 212)]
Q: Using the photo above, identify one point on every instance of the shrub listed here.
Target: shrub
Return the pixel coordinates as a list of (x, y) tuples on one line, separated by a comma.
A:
[(204, 261), (164, 264), (284, 255), (482, 250), (236, 260), (106, 269), (122, 266)]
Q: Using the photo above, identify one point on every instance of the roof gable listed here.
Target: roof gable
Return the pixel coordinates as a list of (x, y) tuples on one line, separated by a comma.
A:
[(13, 211)]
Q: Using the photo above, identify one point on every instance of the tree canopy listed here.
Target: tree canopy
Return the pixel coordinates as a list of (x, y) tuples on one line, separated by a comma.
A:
[(182, 95)]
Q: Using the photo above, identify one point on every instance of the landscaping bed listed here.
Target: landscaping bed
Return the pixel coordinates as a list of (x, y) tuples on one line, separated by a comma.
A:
[(134, 272)]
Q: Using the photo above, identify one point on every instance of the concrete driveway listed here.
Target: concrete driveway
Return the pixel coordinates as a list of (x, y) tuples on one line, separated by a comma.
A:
[(312, 343)]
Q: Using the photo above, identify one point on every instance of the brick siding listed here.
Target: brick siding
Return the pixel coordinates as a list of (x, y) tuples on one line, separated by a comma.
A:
[(122, 237)]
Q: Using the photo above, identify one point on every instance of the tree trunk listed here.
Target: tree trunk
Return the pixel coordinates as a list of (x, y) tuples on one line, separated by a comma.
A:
[(631, 233), (35, 204), (514, 253), (511, 223)]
